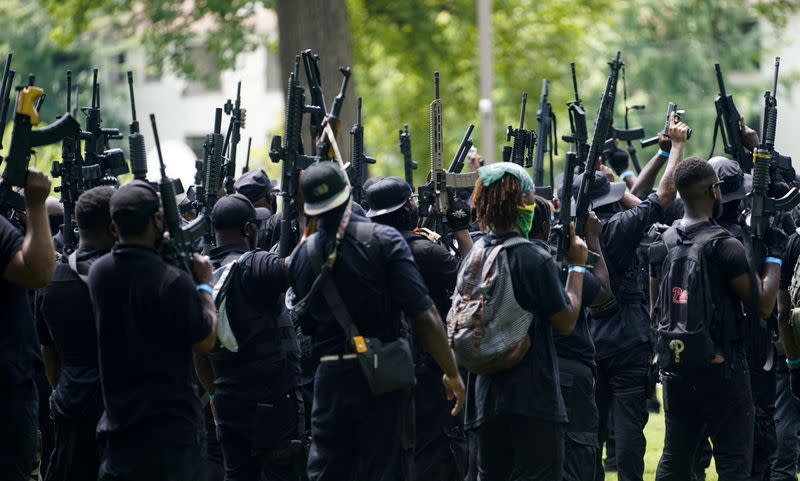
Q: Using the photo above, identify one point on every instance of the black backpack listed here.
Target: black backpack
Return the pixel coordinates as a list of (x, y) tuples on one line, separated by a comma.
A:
[(686, 314)]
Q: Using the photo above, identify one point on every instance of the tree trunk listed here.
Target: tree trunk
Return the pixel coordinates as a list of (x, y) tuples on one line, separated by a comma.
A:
[(322, 26)]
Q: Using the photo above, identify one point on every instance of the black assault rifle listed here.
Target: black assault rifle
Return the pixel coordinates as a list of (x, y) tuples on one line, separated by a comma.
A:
[(232, 138), (409, 164), (311, 66), (577, 123), (616, 66), (521, 150), (332, 119), (545, 138), (727, 125), (288, 150), (213, 164), (358, 159), (179, 248), (104, 165), (136, 140)]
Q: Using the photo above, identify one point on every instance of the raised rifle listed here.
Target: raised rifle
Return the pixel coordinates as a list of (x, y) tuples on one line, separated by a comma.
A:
[(628, 135), (409, 164), (577, 122), (631, 149), (238, 117), (671, 107), (565, 215), (434, 196), (213, 169), (727, 124), (136, 140), (545, 137), (605, 115), (5, 91), (521, 150), (288, 150), (358, 159), (457, 164), (246, 167), (70, 170), (311, 65), (104, 165), (24, 139), (332, 119), (179, 248)]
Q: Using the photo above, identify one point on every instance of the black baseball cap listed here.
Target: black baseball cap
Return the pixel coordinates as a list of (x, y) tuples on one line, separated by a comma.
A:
[(735, 183), (603, 191), (254, 185), (387, 195), (137, 197), (324, 187), (232, 212)]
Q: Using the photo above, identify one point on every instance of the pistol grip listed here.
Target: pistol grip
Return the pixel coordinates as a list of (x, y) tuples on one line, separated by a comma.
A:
[(26, 102)]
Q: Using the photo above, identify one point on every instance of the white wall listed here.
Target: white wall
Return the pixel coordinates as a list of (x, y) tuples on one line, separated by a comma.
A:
[(787, 136)]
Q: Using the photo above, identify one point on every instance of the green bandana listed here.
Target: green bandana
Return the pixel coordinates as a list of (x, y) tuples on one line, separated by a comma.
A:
[(489, 174), (525, 219)]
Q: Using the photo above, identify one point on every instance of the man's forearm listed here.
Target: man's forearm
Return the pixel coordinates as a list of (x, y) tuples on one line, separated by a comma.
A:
[(38, 250), (768, 289), (647, 177), (430, 330), (666, 187), (205, 373), (464, 242)]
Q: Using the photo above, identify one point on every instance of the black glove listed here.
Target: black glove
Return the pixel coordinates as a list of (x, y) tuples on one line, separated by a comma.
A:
[(458, 214), (775, 240), (794, 382)]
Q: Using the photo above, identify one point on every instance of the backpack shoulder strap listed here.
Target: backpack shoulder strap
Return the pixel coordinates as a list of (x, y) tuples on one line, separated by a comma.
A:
[(496, 250), (72, 260)]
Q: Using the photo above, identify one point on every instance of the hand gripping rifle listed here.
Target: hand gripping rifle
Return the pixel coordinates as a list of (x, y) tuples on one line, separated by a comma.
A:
[(104, 164), (136, 140), (605, 115), (70, 170), (213, 164), (434, 196), (728, 125), (288, 150), (24, 139), (311, 66), (358, 159), (577, 122), (232, 138), (671, 107), (565, 215), (179, 248), (325, 147), (521, 150), (546, 137), (409, 164)]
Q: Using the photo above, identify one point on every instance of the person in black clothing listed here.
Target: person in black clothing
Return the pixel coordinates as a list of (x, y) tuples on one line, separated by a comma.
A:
[(26, 262), (440, 450), (787, 405), (715, 400), (254, 389), (356, 434), (66, 326), (519, 414), (621, 330), (575, 353), (149, 317)]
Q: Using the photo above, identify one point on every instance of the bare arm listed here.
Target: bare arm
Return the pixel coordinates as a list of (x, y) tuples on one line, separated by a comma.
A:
[(678, 133), (33, 265), (767, 285), (52, 364), (600, 270), (564, 320), (647, 177), (207, 344), (464, 242), (205, 373), (429, 328)]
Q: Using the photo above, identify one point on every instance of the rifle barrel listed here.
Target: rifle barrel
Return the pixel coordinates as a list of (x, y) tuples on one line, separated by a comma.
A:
[(130, 89)]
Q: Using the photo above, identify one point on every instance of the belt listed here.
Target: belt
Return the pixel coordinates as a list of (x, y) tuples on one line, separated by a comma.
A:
[(337, 357)]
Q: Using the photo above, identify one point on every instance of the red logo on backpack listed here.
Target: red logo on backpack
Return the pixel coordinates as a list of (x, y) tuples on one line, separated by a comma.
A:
[(680, 296)]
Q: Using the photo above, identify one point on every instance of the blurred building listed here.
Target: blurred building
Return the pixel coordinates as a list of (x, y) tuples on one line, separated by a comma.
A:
[(787, 140), (185, 109)]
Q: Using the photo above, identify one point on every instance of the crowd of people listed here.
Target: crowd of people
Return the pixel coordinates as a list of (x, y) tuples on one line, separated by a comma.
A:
[(338, 362)]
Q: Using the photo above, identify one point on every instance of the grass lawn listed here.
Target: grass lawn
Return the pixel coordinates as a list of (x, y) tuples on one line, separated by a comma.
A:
[(655, 440)]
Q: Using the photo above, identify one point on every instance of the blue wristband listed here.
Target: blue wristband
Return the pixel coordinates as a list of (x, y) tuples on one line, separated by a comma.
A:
[(578, 269), (774, 260), (663, 153), (627, 173), (210, 397), (793, 362), (205, 288)]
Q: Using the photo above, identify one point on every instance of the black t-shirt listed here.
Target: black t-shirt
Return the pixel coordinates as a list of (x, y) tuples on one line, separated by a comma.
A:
[(375, 291), (438, 267), (19, 345), (628, 326), (579, 345), (65, 321), (148, 316), (258, 291), (790, 260), (726, 261), (532, 387)]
